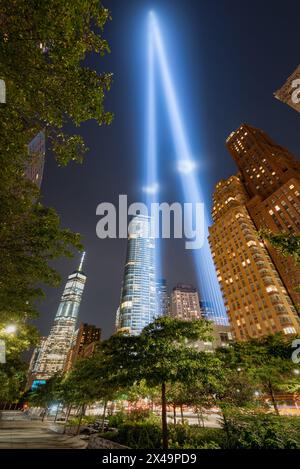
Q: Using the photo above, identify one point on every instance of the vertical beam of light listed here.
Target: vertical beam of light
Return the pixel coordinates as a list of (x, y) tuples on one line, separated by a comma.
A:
[(151, 178), (206, 273)]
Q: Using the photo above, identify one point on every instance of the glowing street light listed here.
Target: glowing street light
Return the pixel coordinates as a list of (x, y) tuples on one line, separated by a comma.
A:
[(10, 329)]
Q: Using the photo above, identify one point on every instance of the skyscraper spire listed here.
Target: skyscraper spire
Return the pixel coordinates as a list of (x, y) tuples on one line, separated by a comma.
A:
[(55, 348), (81, 262)]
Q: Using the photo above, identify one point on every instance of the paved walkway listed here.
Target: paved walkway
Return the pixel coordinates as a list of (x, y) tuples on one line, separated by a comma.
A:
[(16, 431)]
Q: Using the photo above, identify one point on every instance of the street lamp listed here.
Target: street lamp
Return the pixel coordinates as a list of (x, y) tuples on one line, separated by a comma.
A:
[(10, 329)]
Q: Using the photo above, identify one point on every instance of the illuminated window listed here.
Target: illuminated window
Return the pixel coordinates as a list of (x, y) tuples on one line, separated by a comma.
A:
[(251, 243), (289, 330)]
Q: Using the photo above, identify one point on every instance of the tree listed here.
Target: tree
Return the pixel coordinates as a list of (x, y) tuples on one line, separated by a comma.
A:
[(13, 373), (163, 353), (264, 364), (286, 243), (45, 394), (43, 47), (87, 383)]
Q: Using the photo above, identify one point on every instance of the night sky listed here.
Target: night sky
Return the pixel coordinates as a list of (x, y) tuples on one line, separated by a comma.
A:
[(227, 60)]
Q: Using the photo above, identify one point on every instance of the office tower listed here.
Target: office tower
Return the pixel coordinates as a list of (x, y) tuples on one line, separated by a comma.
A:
[(256, 300), (289, 93), (35, 166), (271, 176), (162, 297), (84, 343), (185, 302), (54, 350), (138, 295)]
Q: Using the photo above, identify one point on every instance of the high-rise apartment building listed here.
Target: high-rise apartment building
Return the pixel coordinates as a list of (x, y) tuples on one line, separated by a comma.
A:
[(289, 93), (84, 343), (53, 351), (271, 176), (185, 303), (138, 305), (35, 166), (256, 300)]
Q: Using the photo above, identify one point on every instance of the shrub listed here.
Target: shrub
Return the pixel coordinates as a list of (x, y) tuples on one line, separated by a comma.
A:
[(117, 419), (262, 431), (139, 435), (185, 436)]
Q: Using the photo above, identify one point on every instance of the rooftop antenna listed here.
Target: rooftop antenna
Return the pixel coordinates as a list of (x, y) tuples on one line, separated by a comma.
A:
[(81, 262)]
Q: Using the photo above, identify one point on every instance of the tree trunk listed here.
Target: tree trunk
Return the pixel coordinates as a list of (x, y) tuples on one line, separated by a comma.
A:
[(69, 409), (80, 418), (164, 416), (174, 413), (273, 398), (44, 413), (181, 413), (104, 412), (226, 427), (56, 414)]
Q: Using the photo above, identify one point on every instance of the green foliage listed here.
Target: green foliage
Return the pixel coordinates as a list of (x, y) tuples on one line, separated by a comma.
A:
[(262, 431), (13, 373), (117, 419), (43, 47), (47, 393), (286, 243), (140, 434), (262, 364), (185, 436)]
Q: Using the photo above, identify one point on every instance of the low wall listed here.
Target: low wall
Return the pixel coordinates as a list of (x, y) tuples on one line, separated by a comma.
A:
[(96, 442)]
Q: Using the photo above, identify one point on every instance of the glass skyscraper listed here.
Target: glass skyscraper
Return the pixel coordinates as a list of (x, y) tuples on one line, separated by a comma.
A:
[(52, 353), (138, 306)]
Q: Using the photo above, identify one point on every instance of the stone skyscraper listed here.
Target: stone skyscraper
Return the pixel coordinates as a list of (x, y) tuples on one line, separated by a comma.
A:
[(185, 302), (256, 300), (271, 176)]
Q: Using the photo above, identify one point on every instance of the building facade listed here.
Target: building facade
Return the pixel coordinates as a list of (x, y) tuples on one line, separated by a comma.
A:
[(185, 303), (256, 300), (35, 166), (289, 93), (53, 351), (84, 343), (271, 176), (138, 305)]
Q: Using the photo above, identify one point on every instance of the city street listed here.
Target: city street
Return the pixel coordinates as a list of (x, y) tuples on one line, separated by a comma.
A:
[(16, 432)]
